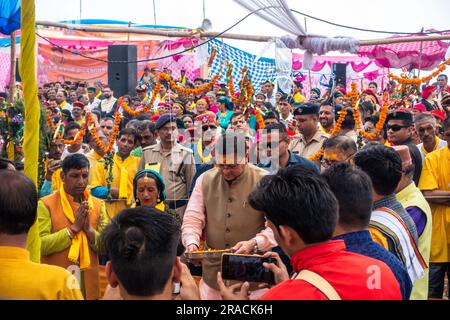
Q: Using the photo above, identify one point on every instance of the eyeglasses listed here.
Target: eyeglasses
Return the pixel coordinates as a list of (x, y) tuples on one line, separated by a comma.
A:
[(326, 163), (212, 127), (395, 127)]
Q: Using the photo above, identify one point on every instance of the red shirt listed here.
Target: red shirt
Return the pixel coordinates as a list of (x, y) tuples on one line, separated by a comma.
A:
[(350, 274)]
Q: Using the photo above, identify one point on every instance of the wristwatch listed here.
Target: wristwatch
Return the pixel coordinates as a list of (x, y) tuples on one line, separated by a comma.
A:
[(255, 246)]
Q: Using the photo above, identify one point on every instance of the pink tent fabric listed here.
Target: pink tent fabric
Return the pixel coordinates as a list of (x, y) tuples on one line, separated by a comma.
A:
[(407, 55)]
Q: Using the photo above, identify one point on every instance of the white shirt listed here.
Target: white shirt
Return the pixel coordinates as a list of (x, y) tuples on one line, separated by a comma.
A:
[(441, 144)]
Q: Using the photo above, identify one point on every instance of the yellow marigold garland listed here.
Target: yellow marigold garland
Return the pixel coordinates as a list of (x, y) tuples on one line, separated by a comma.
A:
[(132, 112)]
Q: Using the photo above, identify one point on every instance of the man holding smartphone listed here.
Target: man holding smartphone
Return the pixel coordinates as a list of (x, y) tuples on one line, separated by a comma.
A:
[(223, 212), (302, 211)]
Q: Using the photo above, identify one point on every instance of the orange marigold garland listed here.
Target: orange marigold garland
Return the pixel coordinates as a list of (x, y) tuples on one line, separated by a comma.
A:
[(336, 129), (418, 81), (145, 108), (50, 122), (259, 118), (112, 139), (79, 136), (381, 120), (211, 57), (205, 88)]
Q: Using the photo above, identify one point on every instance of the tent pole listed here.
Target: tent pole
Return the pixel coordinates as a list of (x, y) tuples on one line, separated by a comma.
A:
[(246, 37), (12, 71)]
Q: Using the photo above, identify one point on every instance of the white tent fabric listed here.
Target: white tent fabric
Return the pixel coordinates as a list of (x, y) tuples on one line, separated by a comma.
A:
[(277, 12)]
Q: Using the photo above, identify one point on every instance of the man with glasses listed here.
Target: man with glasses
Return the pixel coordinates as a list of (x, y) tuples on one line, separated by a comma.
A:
[(275, 144), (338, 149), (426, 128), (202, 149), (219, 206), (173, 161), (399, 131)]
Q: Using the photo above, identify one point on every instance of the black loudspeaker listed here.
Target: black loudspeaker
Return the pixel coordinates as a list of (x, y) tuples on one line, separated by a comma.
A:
[(339, 70), (122, 77)]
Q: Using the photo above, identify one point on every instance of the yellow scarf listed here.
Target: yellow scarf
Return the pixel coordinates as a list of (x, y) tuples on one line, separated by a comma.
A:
[(206, 159), (79, 249), (96, 156), (125, 184)]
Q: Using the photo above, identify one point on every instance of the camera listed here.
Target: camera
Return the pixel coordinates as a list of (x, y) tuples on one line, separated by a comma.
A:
[(246, 268)]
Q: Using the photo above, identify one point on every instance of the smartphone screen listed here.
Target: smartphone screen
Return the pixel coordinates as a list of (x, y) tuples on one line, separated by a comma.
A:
[(246, 268)]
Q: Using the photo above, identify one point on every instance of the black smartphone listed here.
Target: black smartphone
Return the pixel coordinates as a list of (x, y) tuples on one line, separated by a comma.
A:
[(246, 268)]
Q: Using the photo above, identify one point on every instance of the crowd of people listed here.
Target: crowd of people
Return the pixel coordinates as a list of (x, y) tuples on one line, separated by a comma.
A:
[(349, 195)]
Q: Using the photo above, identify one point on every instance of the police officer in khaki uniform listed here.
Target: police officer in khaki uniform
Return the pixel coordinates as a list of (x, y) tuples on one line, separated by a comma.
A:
[(311, 138), (173, 161)]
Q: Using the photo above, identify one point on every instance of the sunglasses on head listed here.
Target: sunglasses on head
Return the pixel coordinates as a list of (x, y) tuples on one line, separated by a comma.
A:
[(396, 127), (211, 126)]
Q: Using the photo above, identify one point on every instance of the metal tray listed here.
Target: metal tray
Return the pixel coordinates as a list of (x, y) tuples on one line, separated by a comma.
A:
[(199, 255)]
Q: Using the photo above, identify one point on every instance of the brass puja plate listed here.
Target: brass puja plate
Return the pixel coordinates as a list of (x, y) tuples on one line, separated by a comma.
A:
[(202, 254)]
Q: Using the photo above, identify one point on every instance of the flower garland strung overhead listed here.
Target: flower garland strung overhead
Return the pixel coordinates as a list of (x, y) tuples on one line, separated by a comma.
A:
[(114, 134), (418, 81), (205, 88), (145, 108)]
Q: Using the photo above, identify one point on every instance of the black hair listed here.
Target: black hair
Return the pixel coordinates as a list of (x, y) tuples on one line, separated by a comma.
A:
[(383, 165), (18, 202), (235, 115), (300, 198), (98, 114), (133, 123), (446, 123), (74, 161), (230, 143), (277, 127), (129, 132), (109, 119), (353, 190), (70, 126), (4, 163), (345, 144), (19, 165), (147, 124), (443, 75), (272, 115), (142, 245), (367, 106), (374, 83)]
